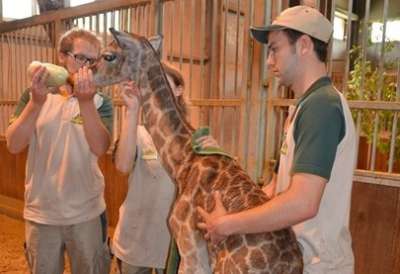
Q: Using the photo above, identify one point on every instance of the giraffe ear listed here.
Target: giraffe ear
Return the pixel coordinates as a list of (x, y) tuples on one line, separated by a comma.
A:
[(123, 39), (156, 42)]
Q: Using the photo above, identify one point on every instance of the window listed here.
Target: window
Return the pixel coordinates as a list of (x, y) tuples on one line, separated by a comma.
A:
[(85, 22), (25, 9), (339, 25), (74, 3), (392, 31), (28, 8)]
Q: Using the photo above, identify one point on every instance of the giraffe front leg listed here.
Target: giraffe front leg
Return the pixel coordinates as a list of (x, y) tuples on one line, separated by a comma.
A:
[(193, 260), (190, 242)]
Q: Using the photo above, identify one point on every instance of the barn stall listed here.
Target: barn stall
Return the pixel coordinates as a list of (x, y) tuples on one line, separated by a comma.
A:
[(230, 89)]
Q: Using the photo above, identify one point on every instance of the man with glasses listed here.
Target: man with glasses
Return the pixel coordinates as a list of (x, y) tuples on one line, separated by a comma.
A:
[(82, 59), (311, 190), (66, 131)]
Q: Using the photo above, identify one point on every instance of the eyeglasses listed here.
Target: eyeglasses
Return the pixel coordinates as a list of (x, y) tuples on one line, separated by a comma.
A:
[(82, 59)]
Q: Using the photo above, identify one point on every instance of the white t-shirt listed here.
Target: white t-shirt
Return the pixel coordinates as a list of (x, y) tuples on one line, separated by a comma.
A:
[(64, 184)]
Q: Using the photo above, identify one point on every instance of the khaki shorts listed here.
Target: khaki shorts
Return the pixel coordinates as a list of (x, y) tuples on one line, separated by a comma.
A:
[(85, 243)]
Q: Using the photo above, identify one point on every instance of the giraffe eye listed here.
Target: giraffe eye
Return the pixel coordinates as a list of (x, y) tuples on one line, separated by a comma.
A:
[(109, 57)]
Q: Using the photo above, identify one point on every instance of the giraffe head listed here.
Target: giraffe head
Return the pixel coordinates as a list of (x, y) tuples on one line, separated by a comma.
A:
[(125, 58)]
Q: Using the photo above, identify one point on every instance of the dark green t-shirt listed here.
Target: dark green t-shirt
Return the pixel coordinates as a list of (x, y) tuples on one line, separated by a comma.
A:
[(318, 129)]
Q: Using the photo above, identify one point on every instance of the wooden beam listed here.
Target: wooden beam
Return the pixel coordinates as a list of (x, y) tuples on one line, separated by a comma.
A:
[(215, 49), (280, 102), (8, 102), (217, 102), (374, 105), (11, 207), (250, 149), (80, 11), (365, 176), (354, 104), (186, 59), (377, 177), (1, 11)]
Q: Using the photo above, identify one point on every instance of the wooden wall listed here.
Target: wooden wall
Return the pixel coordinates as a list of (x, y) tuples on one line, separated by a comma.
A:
[(375, 227), (375, 215)]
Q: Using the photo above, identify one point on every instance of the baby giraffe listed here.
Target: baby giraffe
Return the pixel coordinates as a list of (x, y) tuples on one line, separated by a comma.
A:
[(196, 177)]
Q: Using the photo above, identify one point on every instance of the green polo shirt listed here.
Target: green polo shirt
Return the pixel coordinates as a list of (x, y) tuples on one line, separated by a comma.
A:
[(318, 129)]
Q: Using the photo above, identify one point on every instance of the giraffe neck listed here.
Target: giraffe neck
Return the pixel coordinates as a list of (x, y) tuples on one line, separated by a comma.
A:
[(170, 131)]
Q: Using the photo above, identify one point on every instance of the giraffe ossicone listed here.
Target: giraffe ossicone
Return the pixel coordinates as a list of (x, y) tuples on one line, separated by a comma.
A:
[(196, 177)]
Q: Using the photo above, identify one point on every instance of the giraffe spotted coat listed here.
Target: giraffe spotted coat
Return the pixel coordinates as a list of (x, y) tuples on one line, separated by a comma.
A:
[(196, 177)]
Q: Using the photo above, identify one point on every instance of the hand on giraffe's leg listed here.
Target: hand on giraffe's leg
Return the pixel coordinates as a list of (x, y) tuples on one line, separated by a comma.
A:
[(213, 222)]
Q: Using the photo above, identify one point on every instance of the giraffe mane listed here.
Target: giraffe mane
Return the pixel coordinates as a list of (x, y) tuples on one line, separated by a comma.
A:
[(148, 46)]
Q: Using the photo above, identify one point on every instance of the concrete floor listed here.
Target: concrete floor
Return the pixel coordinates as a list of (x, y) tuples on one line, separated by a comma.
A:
[(12, 259), (11, 242)]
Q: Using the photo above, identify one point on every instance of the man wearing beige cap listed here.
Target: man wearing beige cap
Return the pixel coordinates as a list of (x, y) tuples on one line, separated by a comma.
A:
[(311, 190)]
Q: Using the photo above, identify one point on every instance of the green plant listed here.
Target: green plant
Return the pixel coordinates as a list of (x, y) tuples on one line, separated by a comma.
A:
[(369, 92)]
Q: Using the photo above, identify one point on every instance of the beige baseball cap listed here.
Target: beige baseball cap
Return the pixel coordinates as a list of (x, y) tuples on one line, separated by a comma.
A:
[(301, 18)]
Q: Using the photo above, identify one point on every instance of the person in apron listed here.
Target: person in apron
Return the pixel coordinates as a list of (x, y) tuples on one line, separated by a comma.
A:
[(311, 190), (141, 239), (66, 131)]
